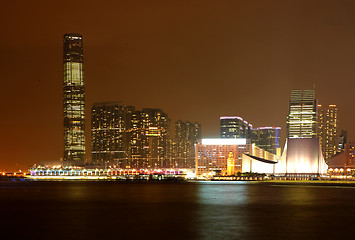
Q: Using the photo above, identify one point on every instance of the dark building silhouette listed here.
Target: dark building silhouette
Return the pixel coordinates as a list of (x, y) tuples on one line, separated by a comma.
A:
[(342, 140), (73, 100)]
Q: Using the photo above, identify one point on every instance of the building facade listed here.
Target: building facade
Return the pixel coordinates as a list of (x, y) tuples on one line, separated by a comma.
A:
[(186, 136), (327, 129), (302, 117), (110, 125), (343, 163), (128, 138), (73, 100), (151, 136), (212, 155), (302, 155), (267, 138), (225, 156), (234, 127)]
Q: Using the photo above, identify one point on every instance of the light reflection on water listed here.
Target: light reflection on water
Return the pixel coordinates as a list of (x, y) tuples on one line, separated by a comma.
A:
[(192, 210), (216, 220), (261, 211)]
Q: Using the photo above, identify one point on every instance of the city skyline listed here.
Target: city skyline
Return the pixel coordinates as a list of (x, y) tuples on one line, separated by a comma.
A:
[(187, 66)]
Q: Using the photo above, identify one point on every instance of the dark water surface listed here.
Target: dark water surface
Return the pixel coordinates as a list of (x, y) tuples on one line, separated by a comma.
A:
[(188, 210)]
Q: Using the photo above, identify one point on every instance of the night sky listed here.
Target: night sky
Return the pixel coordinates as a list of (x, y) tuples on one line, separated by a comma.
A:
[(197, 60)]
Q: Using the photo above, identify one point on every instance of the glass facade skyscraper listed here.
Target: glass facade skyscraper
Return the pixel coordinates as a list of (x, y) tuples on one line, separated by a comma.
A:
[(302, 117), (267, 138), (73, 99), (234, 127)]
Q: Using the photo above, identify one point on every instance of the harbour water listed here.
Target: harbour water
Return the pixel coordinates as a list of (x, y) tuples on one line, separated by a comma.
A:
[(180, 210)]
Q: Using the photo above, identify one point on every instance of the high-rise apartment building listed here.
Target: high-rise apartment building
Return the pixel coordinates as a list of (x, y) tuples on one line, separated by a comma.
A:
[(128, 138), (234, 127), (327, 129), (267, 138), (154, 138), (110, 125), (73, 99), (185, 138), (302, 117), (149, 137)]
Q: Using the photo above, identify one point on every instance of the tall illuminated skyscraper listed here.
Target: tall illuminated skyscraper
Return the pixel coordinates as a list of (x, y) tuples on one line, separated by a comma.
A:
[(302, 117), (327, 129), (73, 100)]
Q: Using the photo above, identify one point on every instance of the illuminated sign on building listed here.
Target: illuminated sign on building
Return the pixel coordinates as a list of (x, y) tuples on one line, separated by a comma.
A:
[(224, 141)]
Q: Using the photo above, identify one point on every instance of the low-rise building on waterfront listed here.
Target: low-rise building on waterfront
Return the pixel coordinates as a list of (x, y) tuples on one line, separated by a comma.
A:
[(343, 163), (226, 156), (97, 173)]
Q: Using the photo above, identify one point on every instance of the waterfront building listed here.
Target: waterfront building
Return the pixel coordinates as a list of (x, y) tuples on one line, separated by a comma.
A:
[(302, 117), (302, 156), (350, 154), (110, 124), (267, 138), (234, 127), (135, 142), (342, 164), (149, 141), (344, 159), (73, 99), (225, 156), (185, 137), (104, 173), (128, 138), (327, 129)]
